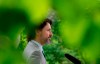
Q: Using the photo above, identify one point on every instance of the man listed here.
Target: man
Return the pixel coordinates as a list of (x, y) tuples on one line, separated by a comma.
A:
[(33, 51)]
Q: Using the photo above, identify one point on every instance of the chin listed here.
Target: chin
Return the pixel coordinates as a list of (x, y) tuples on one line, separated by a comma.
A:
[(48, 42)]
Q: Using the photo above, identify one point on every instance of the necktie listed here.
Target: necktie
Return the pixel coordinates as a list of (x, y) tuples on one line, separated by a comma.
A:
[(43, 53)]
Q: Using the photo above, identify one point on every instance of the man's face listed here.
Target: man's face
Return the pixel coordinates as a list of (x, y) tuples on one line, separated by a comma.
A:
[(45, 34)]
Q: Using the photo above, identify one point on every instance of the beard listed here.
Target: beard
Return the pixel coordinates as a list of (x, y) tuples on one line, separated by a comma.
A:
[(48, 41)]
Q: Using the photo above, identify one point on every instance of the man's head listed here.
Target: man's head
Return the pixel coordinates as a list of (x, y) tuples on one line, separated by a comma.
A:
[(42, 32)]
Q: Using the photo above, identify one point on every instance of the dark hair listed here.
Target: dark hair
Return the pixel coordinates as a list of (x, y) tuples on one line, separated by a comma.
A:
[(32, 31)]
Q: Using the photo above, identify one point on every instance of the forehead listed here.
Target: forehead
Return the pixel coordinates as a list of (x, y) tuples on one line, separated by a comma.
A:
[(47, 26)]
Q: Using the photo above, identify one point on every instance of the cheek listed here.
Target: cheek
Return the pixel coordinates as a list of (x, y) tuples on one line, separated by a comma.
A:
[(46, 33)]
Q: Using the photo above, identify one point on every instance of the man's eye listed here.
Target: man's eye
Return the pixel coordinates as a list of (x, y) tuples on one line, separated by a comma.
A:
[(48, 30)]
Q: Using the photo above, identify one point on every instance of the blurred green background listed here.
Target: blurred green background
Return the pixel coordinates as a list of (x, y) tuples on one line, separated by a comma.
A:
[(76, 29)]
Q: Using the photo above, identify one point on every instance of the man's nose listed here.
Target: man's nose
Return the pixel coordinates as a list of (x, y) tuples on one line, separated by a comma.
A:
[(51, 34)]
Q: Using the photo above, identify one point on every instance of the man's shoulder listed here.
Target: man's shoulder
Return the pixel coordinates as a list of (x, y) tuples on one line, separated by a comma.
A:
[(29, 49), (31, 46)]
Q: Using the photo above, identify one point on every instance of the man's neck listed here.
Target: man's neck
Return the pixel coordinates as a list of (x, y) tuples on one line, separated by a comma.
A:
[(39, 41)]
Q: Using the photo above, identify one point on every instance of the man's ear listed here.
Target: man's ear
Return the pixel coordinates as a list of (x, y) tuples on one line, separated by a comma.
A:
[(38, 32)]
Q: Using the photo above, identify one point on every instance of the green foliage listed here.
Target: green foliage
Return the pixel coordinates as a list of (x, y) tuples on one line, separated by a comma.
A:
[(79, 24), (54, 53), (23, 42)]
